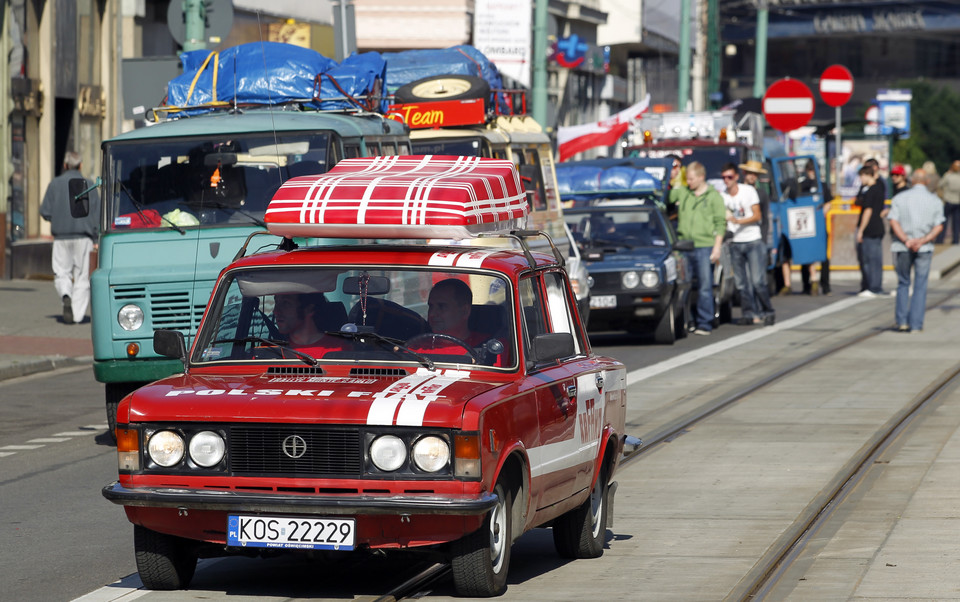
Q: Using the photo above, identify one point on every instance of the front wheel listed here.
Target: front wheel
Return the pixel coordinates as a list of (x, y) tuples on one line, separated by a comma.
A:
[(164, 562), (666, 332), (580, 533), (481, 559)]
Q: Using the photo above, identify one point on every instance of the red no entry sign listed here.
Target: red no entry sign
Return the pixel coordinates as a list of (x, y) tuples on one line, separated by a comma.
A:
[(788, 104), (836, 85)]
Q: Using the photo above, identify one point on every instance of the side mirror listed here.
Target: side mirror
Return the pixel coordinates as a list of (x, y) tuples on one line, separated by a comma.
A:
[(684, 245), (553, 346), (170, 343), (79, 197)]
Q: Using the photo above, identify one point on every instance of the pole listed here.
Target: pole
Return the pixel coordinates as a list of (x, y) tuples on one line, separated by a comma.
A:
[(760, 60), (837, 155), (683, 93), (713, 50), (194, 15), (538, 91)]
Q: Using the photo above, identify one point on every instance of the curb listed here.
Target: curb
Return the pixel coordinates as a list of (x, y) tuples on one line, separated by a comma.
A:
[(41, 364)]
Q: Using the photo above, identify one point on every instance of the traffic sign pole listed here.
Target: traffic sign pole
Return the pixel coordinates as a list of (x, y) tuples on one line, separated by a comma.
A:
[(836, 88)]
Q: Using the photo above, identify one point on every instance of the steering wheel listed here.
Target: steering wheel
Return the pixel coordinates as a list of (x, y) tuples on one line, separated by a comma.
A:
[(412, 342)]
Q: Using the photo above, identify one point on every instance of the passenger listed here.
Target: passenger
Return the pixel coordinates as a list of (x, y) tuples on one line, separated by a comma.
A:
[(297, 318)]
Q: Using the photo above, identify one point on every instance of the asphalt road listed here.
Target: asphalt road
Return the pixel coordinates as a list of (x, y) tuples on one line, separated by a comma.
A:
[(61, 539)]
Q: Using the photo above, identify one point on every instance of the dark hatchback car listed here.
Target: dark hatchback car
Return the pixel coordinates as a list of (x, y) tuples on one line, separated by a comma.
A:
[(640, 277)]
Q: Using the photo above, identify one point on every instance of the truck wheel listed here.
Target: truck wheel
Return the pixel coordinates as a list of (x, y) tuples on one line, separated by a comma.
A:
[(580, 533), (164, 562), (480, 560), (114, 393), (666, 332), (444, 87)]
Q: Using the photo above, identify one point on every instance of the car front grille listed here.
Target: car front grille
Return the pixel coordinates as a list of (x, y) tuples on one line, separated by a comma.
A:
[(273, 451)]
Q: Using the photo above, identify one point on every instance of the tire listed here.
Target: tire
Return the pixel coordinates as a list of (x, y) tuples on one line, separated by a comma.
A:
[(666, 332), (114, 393), (480, 560), (164, 562), (444, 87), (580, 533), (683, 317)]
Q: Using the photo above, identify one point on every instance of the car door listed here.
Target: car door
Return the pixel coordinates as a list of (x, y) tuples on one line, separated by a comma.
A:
[(799, 213)]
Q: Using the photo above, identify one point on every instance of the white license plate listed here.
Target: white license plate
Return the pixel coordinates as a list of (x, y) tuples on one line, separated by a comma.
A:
[(603, 301), (298, 533)]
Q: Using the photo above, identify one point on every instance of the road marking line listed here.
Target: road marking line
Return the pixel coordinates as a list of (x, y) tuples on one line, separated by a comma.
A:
[(123, 590), (74, 434), (49, 440), (20, 447), (747, 337), (5, 454)]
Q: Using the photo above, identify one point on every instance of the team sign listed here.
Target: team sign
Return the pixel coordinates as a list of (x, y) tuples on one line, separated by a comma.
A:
[(439, 113)]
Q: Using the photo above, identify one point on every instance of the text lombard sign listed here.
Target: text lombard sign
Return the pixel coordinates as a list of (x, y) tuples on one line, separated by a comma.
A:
[(822, 17)]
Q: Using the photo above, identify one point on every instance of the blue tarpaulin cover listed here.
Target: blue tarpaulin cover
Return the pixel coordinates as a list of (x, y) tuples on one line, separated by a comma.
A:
[(274, 73), (592, 180), (411, 65)]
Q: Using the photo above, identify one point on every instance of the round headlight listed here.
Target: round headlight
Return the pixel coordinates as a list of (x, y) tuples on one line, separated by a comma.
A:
[(388, 452), (166, 448), (630, 279), (207, 448), (130, 317), (431, 454), (650, 279)]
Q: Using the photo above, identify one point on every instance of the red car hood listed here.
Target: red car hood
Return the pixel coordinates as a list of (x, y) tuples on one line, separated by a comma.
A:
[(421, 399)]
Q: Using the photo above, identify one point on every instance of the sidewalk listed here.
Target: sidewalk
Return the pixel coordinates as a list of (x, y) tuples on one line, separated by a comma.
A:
[(34, 339)]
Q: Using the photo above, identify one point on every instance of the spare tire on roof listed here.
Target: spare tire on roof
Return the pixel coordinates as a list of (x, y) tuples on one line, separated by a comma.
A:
[(444, 87)]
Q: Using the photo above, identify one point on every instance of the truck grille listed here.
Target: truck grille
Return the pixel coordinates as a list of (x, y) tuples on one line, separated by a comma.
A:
[(325, 451), (170, 310)]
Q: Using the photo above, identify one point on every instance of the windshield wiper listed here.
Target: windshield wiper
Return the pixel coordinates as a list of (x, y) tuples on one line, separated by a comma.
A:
[(139, 208), (224, 207), (393, 345), (308, 359)]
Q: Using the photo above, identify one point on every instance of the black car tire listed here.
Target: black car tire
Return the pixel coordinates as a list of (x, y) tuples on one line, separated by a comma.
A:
[(444, 87), (666, 332), (480, 560), (165, 562), (683, 317), (114, 393), (581, 532)]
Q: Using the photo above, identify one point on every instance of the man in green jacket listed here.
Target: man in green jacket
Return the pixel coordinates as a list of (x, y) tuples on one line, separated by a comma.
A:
[(701, 217)]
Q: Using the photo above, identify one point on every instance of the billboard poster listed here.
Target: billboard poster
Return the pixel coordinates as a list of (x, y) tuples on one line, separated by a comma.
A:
[(855, 153), (502, 31)]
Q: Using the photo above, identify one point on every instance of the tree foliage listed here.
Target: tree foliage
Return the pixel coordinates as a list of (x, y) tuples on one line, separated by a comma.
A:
[(934, 126)]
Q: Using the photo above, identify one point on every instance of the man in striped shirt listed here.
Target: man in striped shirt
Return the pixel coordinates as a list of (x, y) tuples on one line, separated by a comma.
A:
[(916, 219)]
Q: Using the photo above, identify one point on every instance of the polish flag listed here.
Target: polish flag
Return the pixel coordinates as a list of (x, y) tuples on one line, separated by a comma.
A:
[(578, 138)]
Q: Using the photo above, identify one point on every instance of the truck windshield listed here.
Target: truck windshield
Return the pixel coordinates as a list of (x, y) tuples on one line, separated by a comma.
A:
[(201, 182)]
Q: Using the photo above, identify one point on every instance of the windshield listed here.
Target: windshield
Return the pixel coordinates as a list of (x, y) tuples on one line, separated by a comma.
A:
[(205, 182), (337, 314), (617, 228), (713, 158), (461, 147)]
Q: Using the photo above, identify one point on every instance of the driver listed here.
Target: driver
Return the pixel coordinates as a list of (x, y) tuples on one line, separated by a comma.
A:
[(449, 305)]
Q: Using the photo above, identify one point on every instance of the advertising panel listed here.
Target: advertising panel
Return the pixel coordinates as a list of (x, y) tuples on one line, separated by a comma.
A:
[(502, 30)]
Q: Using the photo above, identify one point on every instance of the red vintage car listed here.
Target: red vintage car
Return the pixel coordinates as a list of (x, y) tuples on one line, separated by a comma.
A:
[(391, 394)]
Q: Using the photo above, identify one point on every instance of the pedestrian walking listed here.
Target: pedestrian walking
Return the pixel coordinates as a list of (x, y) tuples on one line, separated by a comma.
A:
[(701, 218), (747, 249), (73, 239), (949, 191), (870, 233), (916, 219)]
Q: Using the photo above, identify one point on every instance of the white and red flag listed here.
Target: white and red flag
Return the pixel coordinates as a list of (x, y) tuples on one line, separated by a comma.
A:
[(578, 138)]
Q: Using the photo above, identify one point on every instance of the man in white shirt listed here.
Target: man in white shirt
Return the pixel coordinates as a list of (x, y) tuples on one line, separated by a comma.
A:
[(747, 249)]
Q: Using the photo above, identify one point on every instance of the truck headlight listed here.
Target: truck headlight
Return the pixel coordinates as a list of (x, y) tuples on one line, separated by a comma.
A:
[(166, 448), (388, 452), (130, 317), (431, 454), (650, 279), (207, 448), (630, 279)]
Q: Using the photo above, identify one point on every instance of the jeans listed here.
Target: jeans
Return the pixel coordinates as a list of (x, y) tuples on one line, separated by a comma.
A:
[(870, 253), (750, 272), (909, 310), (951, 214), (702, 269)]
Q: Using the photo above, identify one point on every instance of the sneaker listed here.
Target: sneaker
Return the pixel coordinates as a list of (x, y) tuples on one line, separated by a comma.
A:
[(867, 294), (67, 310), (903, 328), (701, 332), (745, 321), (769, 319)]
